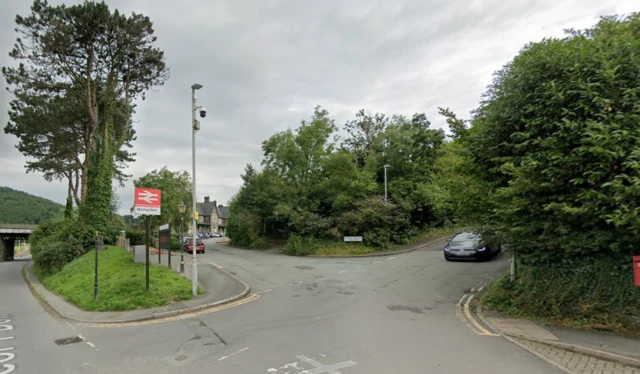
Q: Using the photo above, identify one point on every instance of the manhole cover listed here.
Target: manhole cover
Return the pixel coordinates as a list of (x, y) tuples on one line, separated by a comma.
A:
[(69, 340), (304, 267), (181, 358)]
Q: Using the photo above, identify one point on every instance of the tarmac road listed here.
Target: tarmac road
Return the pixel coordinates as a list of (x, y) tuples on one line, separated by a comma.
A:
[(397, 314)]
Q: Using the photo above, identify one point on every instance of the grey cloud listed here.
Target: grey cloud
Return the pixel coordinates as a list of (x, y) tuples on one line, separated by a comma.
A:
[(266, 64)]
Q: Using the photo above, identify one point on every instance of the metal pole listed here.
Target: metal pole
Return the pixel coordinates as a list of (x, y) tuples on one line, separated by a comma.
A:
[(181, 246), (512, 275), (159, 249), (169, 254), (95, 284), (385, 184), (194, 277), (147, 248)]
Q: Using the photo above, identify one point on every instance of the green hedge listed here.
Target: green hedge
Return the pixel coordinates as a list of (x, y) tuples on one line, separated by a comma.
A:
[(136, 237), (596, 291)]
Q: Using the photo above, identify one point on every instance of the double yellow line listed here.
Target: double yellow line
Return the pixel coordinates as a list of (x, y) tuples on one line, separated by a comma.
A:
[(464, 314), (214, 309)]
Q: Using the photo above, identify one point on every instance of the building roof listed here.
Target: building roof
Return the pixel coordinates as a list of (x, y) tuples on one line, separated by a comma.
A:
[(223, 212), (206, 209)]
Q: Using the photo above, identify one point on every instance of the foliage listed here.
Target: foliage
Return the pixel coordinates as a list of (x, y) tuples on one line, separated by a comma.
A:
[(58, 242), (313, 187), (136, 237), (21, 207), (300, 246), (596, 292), (556, 144), (260, 243), (121, 283), (81, 67), (175, 187)]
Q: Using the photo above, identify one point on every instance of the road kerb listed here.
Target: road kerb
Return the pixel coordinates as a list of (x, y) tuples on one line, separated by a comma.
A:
[(159, 315), (596, 353), (512, 340)]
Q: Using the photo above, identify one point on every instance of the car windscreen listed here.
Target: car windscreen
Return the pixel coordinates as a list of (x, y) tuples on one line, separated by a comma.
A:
[(199, 242), (465, 237)]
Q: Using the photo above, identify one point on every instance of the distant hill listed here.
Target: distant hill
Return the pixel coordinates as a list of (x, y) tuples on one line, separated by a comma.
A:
[(21, 207)]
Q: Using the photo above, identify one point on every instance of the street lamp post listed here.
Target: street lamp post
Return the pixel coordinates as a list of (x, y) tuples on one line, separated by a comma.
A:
[(385, 183), (182, 208), (195, 126)]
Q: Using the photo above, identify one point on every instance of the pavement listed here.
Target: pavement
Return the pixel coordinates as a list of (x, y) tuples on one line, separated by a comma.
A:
[(572, 350), (405, 313)]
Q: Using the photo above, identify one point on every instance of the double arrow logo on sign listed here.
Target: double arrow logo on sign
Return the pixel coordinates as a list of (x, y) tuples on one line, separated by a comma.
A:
[(148, 196)]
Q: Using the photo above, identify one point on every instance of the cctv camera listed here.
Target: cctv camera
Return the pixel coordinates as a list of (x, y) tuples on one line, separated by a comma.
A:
[(203, 112)]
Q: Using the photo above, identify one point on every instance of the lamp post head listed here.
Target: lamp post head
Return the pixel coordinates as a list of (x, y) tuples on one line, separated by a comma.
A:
[(386, 166), (196, 86), (182, 207)]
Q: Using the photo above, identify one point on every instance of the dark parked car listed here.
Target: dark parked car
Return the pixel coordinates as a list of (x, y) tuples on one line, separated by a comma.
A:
[(199, 246), (469, 245)]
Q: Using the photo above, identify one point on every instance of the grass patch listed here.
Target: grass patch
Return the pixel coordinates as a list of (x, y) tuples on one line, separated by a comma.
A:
[(121, 283), (344, 249)]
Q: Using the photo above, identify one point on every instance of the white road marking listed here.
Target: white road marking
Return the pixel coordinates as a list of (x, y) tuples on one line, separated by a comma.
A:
[(473, 289), (233, 354), (91, 345), (391, 258), (6, 356), (320, 368), (359, 266), (343, 271), (81, 337), (377, 262), (265, 291)]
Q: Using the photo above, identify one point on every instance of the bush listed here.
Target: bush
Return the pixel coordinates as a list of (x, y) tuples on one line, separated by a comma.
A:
[(300, 246), (596, 291), (56, 243), (136, 237), (175, 243), (377, 238), (260, 243)]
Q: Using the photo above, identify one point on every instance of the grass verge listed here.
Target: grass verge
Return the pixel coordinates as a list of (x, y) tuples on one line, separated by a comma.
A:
[(344, 249), (121, 283)]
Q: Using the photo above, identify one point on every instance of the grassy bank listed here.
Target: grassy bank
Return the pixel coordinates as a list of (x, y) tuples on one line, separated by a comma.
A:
[(598, 293), (121, 283)]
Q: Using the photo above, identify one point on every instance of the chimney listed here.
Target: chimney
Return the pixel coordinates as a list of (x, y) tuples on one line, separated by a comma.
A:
[(206, 199), (214, 203)]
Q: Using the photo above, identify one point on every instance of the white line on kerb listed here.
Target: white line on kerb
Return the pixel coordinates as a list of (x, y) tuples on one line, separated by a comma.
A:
[(234, 353)]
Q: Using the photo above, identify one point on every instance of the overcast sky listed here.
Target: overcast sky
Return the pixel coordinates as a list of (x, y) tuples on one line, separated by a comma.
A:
[(265, 64)]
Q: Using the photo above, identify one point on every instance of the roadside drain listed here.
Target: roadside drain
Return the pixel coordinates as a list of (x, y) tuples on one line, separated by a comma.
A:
[(69, 340)]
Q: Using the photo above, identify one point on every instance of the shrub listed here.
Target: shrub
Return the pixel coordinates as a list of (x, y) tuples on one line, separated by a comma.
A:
[(175, 243), (260, 243), (136, 237), (377, 238), (56, 243), (598, 291), (300, 246)]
